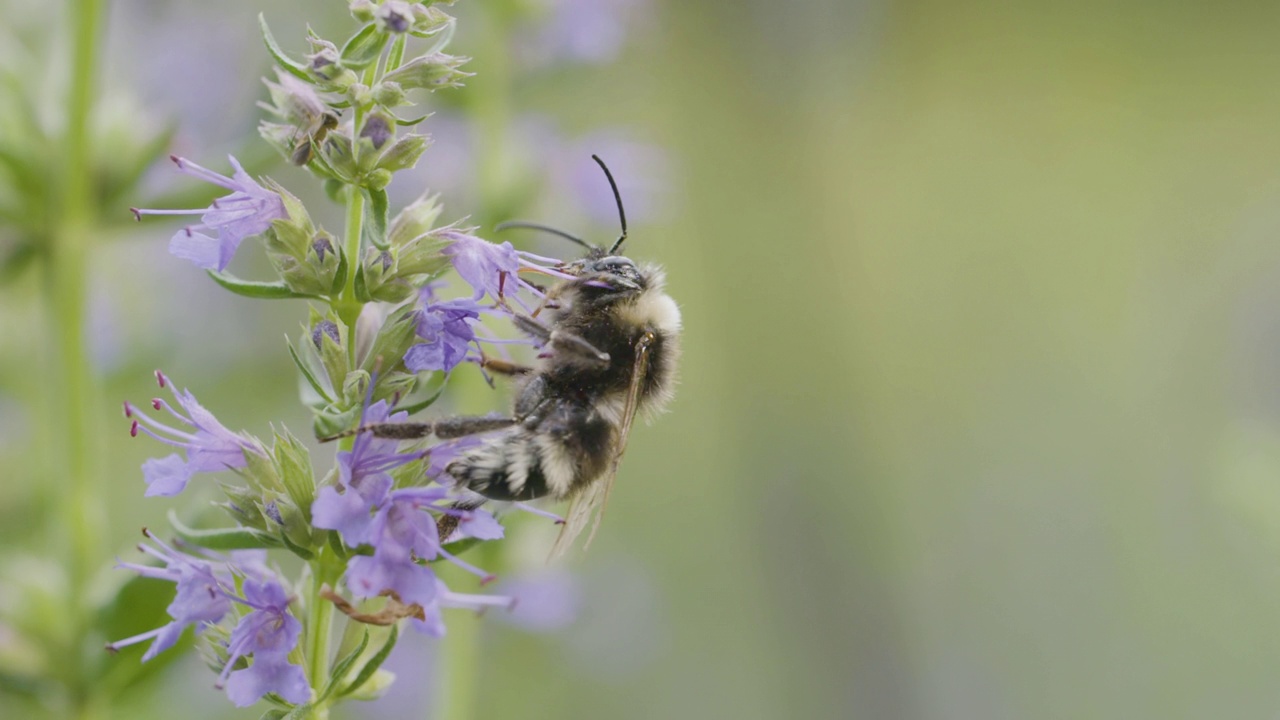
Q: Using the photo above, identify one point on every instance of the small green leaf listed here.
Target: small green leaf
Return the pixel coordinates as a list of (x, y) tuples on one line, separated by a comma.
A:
[(341, 667), (433, 387), (306, 372), (223, 538), (362, 290), (375, 230), (374, 663), (275, 714), (256, 289), (363, 48), (292, 66), (296, 549)]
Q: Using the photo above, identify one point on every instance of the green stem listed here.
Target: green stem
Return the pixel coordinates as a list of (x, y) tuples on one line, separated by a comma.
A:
[(489, 98), (347, 305), (320, 625), (75, 386)]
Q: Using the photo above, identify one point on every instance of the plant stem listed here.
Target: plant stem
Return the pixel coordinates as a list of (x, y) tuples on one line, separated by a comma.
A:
[(347, 306), (75, 386), (319, 626)]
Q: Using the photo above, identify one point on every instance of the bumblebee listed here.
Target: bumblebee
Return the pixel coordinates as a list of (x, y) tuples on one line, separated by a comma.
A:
[(610, 338)]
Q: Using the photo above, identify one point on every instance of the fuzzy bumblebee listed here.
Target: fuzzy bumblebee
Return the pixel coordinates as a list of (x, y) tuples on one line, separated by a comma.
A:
[(611, 336)]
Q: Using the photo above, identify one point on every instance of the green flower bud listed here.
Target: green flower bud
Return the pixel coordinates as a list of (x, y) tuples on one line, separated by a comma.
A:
[(388, 94), (398, 333), (338, 153), (404, 153), (429, 20), (362, 10), (431, 72), (329, 339)]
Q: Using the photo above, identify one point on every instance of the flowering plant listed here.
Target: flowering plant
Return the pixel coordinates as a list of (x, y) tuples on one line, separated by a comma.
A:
[(378, 345)]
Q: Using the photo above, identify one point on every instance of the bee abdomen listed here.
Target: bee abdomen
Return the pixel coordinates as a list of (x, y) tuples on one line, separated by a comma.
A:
[(568, 449)]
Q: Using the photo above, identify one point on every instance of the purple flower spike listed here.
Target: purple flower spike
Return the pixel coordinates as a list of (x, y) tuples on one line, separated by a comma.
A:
[(200, 598), (247, 211), (446, 330), (209, 446), (268, 633)]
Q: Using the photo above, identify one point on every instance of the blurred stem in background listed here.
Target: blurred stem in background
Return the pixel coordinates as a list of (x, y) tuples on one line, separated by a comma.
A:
[(73, 387), (488, 104)]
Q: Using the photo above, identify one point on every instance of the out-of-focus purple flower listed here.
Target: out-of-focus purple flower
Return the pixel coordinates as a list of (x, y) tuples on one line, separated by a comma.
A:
[(445, 328), (209, 446), (643, 172), (584, 31), (363, 482), (201, 597), (247, 211), (268, 634), (542, 601)]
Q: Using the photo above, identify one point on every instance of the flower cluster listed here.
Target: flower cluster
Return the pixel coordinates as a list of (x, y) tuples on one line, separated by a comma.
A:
[(264, 635)]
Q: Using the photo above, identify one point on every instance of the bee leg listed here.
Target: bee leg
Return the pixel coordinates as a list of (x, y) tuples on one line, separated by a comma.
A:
[(578, 347), (446, 429), (504, 367), (562, 341)]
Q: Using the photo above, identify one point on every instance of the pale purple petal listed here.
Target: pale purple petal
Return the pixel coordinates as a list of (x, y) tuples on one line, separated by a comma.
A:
[(480, 525), (165, 476), (268, 674)]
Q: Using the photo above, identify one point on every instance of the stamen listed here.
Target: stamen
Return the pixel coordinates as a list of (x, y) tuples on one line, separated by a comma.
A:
[(539, 512), (485, 578)]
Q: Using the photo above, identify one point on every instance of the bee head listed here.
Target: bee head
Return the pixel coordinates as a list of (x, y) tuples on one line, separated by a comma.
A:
[(609, 279)]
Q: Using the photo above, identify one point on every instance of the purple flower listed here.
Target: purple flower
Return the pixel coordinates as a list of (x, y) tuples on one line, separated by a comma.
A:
[(401, 535), (247, 211), (201, 598), (209, 446), (586, 31), (269, 634), (445, 328), (487, 267), (363, 482)]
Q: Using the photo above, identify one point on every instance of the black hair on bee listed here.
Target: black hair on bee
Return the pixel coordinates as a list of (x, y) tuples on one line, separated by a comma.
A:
[(611, 345)]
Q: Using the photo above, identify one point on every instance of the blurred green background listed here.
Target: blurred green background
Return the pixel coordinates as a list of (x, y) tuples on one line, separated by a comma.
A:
[(980, 411)]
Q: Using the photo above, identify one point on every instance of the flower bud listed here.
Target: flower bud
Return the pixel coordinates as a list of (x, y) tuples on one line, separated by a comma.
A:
[(395, 17), (362, 10), (397, 334), (338, 153), (388, 94), (428, 20), (405, 153), (431, 72), (329, 339)]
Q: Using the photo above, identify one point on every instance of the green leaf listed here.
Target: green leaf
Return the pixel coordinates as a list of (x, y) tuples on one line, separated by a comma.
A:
[(297, 549), (340, 276), (275, 714), (341, 667), (433, 387), (257, 289), (363, 48), (375, 230), (362, 290), (292, 66), (374, 663), (223, 538), (306, 372)]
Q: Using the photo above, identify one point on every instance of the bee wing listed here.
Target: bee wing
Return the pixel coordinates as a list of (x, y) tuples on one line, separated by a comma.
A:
[(594, 498)]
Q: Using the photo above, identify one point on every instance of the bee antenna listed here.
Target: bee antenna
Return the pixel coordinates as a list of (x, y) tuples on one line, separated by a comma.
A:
[(544, 228), (617, 196)]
